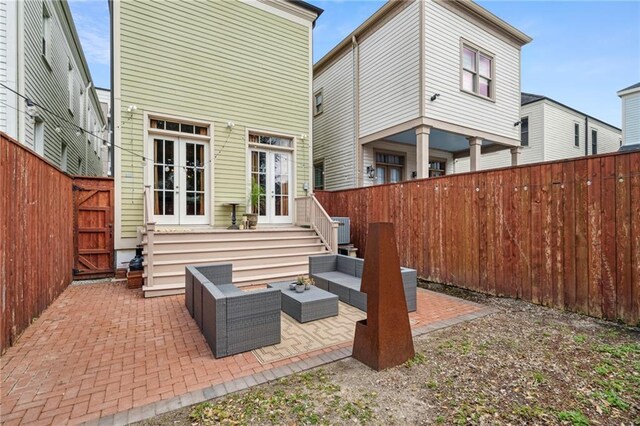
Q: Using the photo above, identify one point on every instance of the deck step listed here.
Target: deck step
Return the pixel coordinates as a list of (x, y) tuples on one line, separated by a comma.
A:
[(258, 256)]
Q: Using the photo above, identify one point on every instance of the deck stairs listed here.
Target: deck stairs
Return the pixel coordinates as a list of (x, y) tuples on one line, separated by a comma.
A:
[(258, 256)]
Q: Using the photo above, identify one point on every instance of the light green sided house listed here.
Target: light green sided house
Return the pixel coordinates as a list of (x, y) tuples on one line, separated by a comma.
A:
[(208, 98)]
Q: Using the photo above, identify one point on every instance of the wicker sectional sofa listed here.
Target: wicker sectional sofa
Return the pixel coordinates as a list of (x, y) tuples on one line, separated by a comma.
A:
[(231, 320), (341, 275)]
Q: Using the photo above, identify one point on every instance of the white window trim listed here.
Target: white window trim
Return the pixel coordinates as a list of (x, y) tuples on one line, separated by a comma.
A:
[(479, 50), (575, 123), (46, 34), (294, 159), (528, 145), (148, 150), (315, 105)]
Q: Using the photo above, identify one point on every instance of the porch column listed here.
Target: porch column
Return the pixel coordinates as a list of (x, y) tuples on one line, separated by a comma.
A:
[(422, 151), (515, 155), (475, 143)]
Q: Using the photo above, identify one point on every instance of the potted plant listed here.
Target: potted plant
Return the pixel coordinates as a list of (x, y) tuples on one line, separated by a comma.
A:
[(254, 199), (300, 284), (308, 282)]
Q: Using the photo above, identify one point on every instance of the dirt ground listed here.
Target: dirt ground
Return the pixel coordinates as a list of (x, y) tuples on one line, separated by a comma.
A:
[(523, 365)]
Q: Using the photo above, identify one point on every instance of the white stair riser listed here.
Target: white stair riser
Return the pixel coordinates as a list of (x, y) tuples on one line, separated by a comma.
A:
[(216, 245), (245, 277), (255, 264), (237, 235), (216, 256)]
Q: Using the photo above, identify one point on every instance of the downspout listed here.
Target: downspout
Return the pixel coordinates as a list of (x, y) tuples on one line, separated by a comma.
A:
[(356, 112), (586, 135), (83, 125)]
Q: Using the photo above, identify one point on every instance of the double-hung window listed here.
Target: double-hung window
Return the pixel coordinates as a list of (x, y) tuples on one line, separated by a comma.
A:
[(576, 135), (594, 141), (46, 33), (477, 72), (318, 175), (524, 131), (318, 103)]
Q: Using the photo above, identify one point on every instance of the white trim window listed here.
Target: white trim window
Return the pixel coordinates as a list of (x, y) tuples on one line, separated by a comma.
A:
[(318, 175), (477, 72), (576, 135), (524, 131), (70, 85), (318, 103), (46, 33)]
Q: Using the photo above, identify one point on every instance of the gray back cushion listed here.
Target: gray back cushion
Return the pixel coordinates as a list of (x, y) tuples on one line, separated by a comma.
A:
[(347, 265)]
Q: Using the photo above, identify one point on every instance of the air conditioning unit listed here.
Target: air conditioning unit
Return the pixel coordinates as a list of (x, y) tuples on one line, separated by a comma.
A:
[(344, 229)]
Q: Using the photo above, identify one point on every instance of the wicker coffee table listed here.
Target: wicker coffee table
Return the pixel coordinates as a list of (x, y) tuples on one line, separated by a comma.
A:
[(311, 305)]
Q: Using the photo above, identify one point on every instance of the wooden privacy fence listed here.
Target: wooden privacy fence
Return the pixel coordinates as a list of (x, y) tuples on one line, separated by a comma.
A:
[(564, 234), (36, 236)]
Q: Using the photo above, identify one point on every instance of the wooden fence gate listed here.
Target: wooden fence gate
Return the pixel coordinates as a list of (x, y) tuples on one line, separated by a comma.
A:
[(93, 232)]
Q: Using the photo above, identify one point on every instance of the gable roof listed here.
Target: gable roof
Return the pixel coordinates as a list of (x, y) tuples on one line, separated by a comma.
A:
[(461, 6), (631, 89), (530, 98)]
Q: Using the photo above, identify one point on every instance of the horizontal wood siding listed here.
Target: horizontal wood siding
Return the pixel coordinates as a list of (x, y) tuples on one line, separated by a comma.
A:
[(389, 73), (215, 62), (631, 118), (333, 130), (534, 153), (36, 236), (443, 32), (564, 234), (46, 83), (559, 133)]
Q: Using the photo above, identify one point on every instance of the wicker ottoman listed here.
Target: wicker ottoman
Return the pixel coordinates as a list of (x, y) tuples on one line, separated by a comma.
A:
[(312, 304)]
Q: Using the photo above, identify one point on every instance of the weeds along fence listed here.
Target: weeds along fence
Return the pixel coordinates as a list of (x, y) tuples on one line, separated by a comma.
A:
[(36, 236), (564, 234)]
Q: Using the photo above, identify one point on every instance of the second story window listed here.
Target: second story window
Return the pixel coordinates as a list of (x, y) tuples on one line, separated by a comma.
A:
[(477, 72), (46, 33), (318, 103), (594, 141), (576, 134), (318, 175), (70, 84), (524, 131)]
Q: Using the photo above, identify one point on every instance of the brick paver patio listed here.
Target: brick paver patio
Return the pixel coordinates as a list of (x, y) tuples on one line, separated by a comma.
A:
[(102, 351)]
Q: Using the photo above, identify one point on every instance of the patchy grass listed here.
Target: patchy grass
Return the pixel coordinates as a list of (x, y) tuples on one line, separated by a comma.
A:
[(523, 365)]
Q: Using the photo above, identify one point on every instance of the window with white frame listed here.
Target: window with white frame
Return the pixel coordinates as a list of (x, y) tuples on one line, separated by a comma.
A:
[(576, 134), (524, 131), (46, 32), (477, 71), (318, 103), (318, 175), (38, 135), (70, 84), (594, 141), (389, 167), (64, 156)]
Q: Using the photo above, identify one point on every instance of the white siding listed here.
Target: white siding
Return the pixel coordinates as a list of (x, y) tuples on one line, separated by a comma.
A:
[(551, 138), (389, 70), (534, 153), (333, 130), (608, 138), (559, 132), (631, 118), (46, 82), (443, 32), (409, 151)]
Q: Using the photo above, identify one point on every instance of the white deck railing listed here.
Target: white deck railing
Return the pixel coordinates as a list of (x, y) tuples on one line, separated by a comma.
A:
[(309, 212), (150, 228)]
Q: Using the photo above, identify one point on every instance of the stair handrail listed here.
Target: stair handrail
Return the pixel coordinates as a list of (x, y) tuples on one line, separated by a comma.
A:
[(150, 227), (309, 212)]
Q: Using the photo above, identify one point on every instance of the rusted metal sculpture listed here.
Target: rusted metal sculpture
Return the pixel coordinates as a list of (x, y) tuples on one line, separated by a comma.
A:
[(384, 339)]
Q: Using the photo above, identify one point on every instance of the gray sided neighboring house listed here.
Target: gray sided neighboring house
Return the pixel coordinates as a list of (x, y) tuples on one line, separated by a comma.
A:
[(42, 59)]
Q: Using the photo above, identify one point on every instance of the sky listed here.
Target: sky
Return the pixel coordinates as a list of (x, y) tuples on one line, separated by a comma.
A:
[(582, 52)]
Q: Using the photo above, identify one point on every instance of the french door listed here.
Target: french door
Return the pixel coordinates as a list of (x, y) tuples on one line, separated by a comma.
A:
[(271, 171), (180, 181)]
